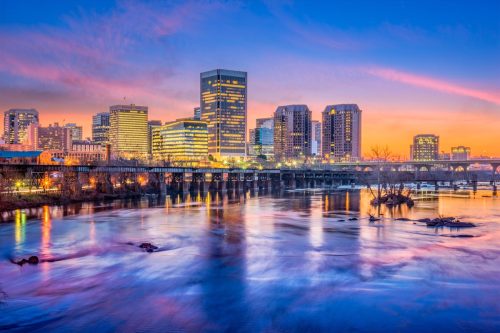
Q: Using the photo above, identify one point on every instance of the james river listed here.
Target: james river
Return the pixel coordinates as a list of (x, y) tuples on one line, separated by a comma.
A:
[(292, 263)]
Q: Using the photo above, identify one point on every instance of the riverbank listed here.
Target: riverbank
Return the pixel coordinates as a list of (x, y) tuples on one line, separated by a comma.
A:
[(13, 202)]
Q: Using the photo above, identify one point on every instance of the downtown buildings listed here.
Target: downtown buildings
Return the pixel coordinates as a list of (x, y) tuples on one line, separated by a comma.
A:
[(292, 132), (261, 141), (76, 131), (100, 128), (460, 153), (16, 122), (128, 131), (341, 133), (183, 140), (54, 137), (223, 106), (425, 147), (151, 125)]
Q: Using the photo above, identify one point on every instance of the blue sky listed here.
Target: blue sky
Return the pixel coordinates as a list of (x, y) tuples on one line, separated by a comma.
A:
[(412, 66)]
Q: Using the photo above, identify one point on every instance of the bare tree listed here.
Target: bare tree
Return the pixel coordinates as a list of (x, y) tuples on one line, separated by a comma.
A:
[(381, 156)]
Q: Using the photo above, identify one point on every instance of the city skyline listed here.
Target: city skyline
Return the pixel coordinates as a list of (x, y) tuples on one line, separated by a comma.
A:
[(411, 74)]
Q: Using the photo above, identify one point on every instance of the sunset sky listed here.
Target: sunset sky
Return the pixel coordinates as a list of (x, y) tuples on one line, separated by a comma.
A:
[(412, 66)]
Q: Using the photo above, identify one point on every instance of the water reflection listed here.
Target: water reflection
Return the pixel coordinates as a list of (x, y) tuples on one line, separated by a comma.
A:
[(246, 262), (20, 234)]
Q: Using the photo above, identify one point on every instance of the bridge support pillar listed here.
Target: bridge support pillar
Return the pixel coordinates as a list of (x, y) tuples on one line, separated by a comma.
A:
[(162, 188), (222, 186), (255, 185), (204, 187), (185, 186)]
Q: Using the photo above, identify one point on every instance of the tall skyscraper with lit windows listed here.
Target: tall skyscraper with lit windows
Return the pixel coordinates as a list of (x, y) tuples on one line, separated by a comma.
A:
[(425, 147), (223, 103), (292, 132), (128, 133), (16, 122), (341, 137)]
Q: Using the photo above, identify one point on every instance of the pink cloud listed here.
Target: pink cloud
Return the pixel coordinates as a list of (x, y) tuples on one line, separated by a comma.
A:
[(431, 83), (103, 56)]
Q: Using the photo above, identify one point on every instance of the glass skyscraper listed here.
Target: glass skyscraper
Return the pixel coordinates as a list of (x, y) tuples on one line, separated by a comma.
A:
[(223, 103), (128, 133), (100, 128)]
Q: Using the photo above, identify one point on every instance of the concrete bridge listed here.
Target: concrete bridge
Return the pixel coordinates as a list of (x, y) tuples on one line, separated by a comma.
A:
[(110, 178), (451, 165)]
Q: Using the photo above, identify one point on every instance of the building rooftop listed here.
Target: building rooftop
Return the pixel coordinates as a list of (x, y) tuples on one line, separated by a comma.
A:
[(19, 154)]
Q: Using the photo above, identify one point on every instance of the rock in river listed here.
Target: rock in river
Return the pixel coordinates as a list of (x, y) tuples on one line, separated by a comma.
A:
[(449, 222), (148, 247)]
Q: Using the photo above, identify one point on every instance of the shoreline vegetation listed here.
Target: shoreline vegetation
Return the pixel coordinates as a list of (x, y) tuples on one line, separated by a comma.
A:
[(13, 202)]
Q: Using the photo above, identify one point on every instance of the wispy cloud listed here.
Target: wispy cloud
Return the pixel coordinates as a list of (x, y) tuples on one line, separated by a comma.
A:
[(431, 83), (110, 54)]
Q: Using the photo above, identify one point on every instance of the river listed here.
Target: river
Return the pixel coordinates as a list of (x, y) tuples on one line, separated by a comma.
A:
[(293, 262)]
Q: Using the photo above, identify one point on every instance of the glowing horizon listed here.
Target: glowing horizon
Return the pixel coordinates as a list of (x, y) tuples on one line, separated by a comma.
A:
[(410, 74)]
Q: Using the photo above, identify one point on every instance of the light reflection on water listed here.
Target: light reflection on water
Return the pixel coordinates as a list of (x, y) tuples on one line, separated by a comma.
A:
[(246, 263)]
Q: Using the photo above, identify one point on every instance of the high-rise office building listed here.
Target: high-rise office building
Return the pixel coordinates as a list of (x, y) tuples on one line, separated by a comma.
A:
[(197, 113), (264, 137), (264, 122), (264, 142), (76, 131), (128, 131), (152, 124), (16, 121), (341, 137), (316, 138), (223, 103), (183, 140), (100, 128), (292, 132), (54, 137), (460, 153), (425, 147)]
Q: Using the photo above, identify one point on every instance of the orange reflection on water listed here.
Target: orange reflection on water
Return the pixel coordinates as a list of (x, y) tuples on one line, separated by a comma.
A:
[(46, 229), (20, 228), (347, 206), (208, 199)]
